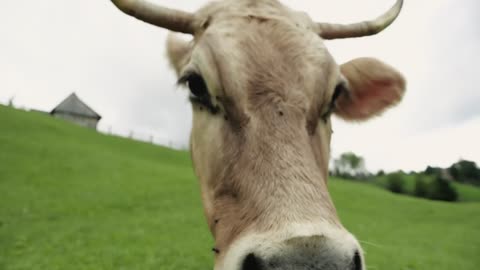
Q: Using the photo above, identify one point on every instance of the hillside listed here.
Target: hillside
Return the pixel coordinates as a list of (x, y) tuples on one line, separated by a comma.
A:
[(71, 198)]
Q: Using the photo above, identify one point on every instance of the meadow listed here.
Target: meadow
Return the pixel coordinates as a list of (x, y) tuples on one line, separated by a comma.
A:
[(71, 198)]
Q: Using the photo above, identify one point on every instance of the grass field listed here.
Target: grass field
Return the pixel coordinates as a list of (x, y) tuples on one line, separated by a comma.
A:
[(71, 198)]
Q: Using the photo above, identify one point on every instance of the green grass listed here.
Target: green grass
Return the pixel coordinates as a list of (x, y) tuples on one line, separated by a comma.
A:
[(71, 198), (400, 232), (467, 193)]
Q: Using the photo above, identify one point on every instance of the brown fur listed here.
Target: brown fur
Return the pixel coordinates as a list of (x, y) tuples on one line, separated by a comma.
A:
[(263, 162), (272, 170)]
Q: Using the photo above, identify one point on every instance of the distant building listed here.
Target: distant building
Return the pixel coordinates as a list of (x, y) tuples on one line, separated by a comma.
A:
[(75, 110)]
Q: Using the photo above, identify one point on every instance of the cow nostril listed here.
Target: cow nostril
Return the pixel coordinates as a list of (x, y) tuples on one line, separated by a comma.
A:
[(251, 262), (357, 261)]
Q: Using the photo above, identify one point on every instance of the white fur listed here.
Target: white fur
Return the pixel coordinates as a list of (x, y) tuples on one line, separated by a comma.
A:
[(338, 241)]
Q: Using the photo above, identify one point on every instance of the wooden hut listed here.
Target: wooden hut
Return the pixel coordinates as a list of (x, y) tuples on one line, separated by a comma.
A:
[(76, 111)]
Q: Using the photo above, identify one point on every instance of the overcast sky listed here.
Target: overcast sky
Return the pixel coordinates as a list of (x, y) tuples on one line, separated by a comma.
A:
[(117, 65)]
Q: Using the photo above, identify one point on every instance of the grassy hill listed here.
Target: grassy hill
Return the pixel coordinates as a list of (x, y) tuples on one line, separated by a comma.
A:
[(71, 198)]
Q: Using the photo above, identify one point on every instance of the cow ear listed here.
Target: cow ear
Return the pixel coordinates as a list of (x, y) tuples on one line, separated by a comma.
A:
[(178, 52), (371, 88)]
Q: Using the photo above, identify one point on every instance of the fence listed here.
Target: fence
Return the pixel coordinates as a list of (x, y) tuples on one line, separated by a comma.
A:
[(143, 135)]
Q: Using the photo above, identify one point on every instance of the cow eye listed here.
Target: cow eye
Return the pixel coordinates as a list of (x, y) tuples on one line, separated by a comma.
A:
[(198, 91), (197, 86), (339, 89)]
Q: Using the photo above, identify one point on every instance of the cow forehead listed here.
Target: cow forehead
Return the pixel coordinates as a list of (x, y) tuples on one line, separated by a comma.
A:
[(266, 55), (258, 29), (260, 9)]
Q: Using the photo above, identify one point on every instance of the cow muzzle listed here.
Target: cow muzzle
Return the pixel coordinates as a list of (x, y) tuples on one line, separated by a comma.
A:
[(322, 249)]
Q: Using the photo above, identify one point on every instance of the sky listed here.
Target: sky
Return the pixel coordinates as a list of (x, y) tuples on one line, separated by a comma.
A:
[(117, 65)]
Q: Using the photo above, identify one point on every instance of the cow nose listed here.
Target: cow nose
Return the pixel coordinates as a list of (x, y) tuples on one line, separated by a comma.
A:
[(252, 262), (305, 253), (357, 262)]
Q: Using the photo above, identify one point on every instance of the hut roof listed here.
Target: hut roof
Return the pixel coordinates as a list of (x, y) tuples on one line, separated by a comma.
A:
[(74, 105)]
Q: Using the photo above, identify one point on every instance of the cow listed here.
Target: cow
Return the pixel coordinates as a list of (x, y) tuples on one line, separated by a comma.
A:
[(263, 88)]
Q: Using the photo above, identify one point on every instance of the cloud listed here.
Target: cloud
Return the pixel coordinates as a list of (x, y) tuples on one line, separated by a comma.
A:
[(451, 81)]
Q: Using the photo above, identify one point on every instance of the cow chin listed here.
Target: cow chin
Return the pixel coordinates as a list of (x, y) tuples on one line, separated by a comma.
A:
[(320, 246)]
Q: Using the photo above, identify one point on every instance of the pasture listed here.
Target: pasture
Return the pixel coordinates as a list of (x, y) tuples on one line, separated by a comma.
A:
[(71, 198)]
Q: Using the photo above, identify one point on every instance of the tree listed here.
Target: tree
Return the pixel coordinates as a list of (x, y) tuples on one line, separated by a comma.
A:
[(432, 170), (441, 189), (465, 171), (421, 187), (396, 183), (349, 165)]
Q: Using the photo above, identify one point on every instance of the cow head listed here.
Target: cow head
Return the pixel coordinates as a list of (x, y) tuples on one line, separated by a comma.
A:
[(263, 87)]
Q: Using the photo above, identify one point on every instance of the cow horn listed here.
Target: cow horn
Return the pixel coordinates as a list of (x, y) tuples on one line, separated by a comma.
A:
[(174, 20), (367, 28)]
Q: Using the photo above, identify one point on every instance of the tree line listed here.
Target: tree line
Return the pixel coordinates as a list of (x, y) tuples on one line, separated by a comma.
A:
[(434, 183)]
